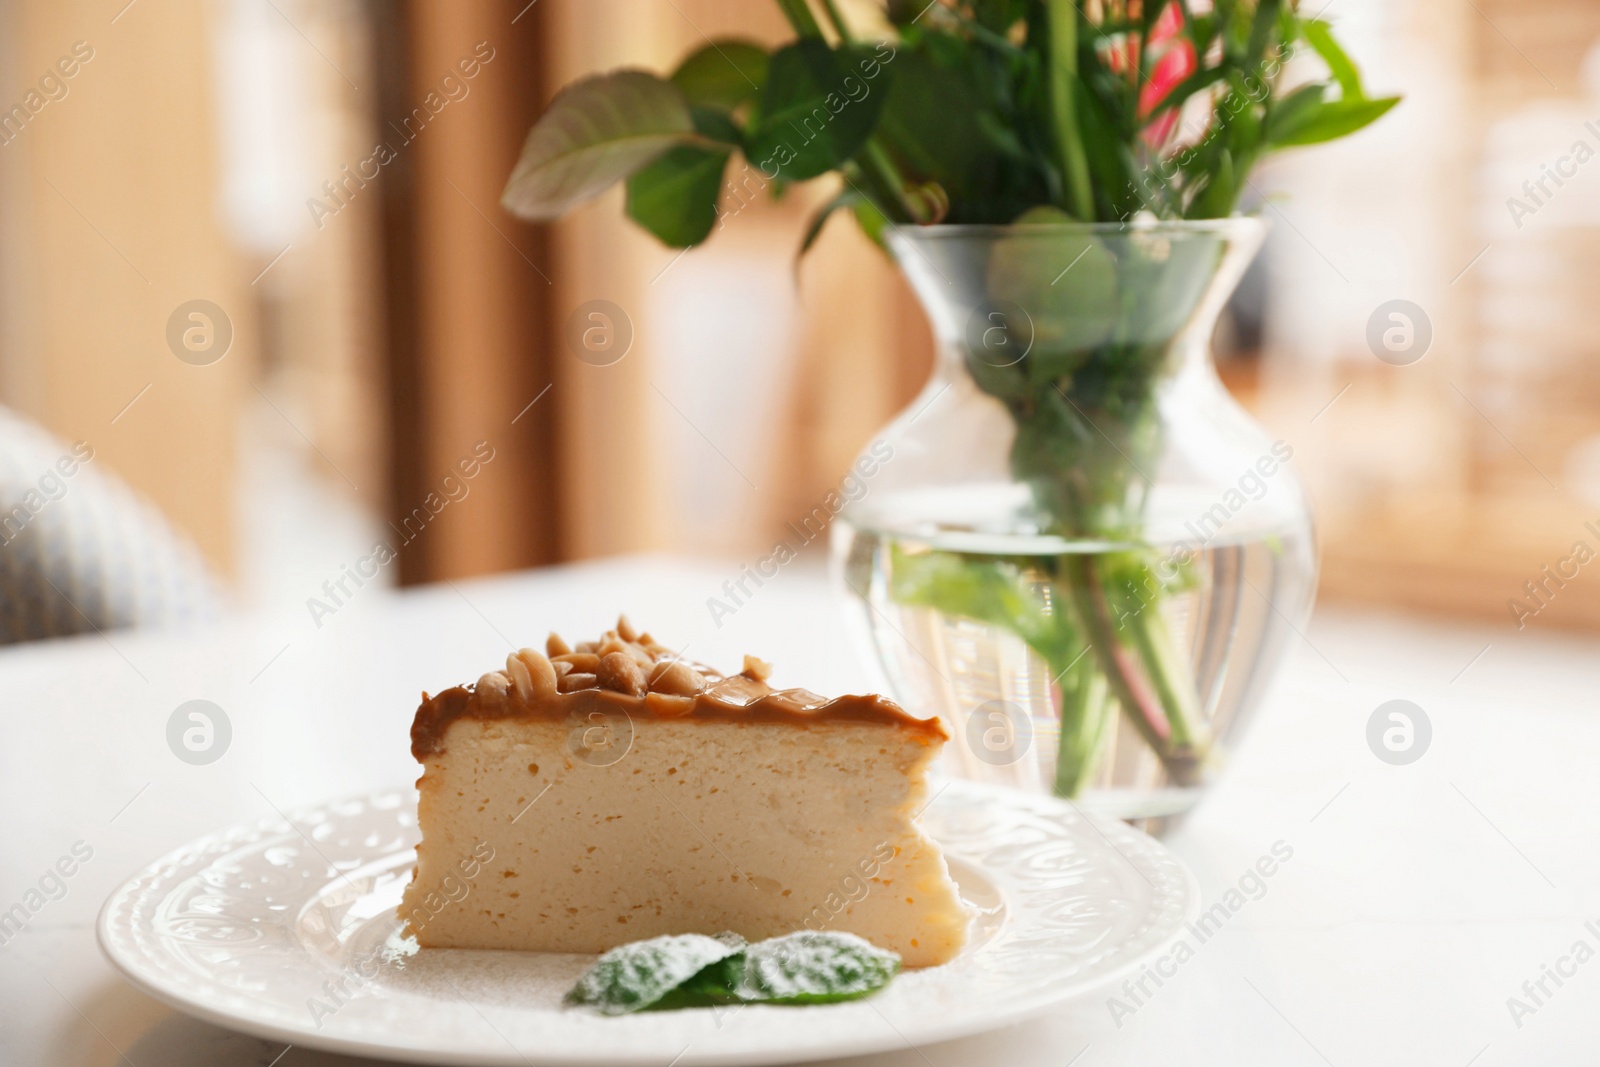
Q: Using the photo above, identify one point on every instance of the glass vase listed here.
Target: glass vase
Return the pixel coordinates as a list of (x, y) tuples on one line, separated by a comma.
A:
[(1074, 545)]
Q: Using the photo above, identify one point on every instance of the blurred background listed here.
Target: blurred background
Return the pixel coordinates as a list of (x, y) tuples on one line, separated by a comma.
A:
[(324, 175)]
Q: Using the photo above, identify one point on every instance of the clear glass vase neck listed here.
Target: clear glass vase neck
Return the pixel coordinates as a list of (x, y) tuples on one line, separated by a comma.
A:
[(1068, 296)]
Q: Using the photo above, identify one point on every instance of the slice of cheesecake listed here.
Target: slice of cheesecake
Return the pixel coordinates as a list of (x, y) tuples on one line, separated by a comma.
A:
[(593, 796)]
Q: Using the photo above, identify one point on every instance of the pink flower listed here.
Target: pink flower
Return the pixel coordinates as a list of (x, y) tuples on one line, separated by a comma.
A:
[(1173, 59)]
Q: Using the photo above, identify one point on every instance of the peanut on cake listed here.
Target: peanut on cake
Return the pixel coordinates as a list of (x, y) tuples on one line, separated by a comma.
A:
[(594, 795)]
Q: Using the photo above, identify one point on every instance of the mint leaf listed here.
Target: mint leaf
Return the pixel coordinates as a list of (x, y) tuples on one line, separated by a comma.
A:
[(803, 968), (642, 973), (691, 970)]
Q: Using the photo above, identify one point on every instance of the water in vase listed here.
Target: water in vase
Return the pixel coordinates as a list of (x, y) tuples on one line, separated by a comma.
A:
[(984, 630)]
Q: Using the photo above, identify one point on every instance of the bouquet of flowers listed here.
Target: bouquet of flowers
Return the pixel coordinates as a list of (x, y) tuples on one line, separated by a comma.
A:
[(1021, 113)]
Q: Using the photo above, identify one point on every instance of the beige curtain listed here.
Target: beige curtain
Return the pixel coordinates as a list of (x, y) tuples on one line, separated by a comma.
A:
[(750, 386), (108, 182)]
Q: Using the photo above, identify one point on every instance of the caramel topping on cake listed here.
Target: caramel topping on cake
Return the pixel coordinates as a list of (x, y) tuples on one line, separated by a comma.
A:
[(625, 671)]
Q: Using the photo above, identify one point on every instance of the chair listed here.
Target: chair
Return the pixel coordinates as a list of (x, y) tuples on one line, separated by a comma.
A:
[(81, 551)]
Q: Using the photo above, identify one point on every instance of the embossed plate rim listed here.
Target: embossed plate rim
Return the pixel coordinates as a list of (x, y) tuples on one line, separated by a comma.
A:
[(983, 1002)]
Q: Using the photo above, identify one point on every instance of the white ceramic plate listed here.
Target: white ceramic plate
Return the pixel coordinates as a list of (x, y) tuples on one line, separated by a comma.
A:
[(287, 931)]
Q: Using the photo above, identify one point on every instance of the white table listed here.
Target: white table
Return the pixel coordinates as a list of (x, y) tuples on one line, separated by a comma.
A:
[(1418, 899)]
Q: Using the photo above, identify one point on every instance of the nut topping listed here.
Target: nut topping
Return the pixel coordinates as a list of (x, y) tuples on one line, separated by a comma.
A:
[(571, 683), (619, 673), (521, 677), (539, 667), (581, 661), (676, 679), (645, 676)]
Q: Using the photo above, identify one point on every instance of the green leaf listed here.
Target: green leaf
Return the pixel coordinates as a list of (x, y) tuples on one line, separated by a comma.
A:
[(1283, 116), (640, 974), (675, 197), (1202, 29), (847, 198), (691, 970), (904, 13), (817, 109), (1114, 186), (1332, 120), (991, 590), (1339, 64), (1001, 137), (595, 132), (1216, 200), (931, 125), (1200, 80), (873, 222), (1261, 31), (715, 125), (723, 74), (806, 967)]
